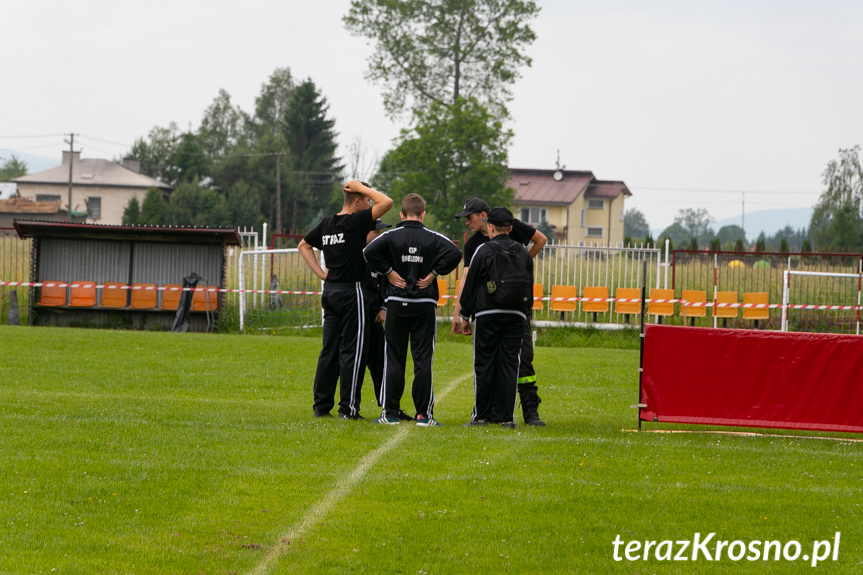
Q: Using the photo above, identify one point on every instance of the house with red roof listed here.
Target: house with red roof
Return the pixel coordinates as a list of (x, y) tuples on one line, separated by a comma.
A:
[(581, 209)]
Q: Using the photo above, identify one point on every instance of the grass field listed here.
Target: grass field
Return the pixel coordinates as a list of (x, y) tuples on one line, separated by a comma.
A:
[(143, 452)]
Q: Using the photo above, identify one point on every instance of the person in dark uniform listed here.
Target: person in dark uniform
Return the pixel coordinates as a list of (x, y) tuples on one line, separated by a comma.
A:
[(498, 327), (342, 237), (475, 211), (411, 256), (377, 312)]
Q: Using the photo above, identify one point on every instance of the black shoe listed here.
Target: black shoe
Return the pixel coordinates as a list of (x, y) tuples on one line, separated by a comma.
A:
[(476, 423), (321, 414), (404, 416), (509, 425), (356, 417), (535, 421)]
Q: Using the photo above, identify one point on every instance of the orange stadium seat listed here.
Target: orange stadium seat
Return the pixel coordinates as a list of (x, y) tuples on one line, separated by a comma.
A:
[(144, 296), (52, 295), (82, 294), (537, 297), (113, 295), (628, 307), (660, 308), (171, 296), (204, 299)]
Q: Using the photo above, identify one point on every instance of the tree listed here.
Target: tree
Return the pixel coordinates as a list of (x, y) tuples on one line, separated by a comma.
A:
[(429, 51), (454, 153), (843, 179), (157, 152), (761, 243), (132, 212), (222, 126), (310, 137), (189, 161), (547, 229), (635, 224), (730, 234), (783, 246), (153, 209), (676, 233), (12, 168), (273, 101), (695, 222), (844, 230)]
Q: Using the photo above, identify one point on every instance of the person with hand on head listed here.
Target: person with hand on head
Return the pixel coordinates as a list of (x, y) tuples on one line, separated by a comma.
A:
[(475, 211), (342, 237), (411, 256), (497, 295)]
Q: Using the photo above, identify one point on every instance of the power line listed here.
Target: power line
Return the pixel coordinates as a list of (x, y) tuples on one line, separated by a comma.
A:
[(664, 189)]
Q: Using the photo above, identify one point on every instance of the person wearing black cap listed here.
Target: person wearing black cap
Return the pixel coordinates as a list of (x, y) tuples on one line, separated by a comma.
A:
[(411, 256), (342, 237), (497, 294), (475, 211)]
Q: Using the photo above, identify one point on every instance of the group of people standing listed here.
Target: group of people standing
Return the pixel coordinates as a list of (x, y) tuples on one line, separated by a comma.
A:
[(378, 278)]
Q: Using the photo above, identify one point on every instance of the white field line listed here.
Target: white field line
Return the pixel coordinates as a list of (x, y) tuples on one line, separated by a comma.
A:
[(323, 507)]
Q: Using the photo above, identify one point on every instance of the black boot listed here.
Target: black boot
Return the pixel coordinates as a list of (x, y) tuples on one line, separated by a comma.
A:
[(529, 404)]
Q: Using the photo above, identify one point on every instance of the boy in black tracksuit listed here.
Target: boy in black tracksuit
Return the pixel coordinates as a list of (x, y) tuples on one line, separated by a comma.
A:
[(342, 237), (498, 331), (411, 256)]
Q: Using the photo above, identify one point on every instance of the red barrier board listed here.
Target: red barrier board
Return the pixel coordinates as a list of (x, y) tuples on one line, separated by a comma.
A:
[(753, 378)]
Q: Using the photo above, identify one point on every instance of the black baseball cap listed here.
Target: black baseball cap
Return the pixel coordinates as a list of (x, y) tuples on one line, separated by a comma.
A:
[(499, 217), (381, 225), (473, 206)]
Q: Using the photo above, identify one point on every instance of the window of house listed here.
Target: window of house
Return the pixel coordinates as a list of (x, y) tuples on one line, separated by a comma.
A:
[(47, 198), (533, 216), (595, 204), (593, 232), (94, 206)]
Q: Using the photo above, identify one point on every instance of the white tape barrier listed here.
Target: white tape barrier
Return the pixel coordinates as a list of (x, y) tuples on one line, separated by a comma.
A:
[(558, 299)]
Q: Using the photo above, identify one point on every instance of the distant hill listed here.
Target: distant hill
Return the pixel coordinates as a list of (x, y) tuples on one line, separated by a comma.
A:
[(767, 221)]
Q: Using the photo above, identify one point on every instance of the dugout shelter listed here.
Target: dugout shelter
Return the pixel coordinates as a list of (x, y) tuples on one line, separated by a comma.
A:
[(124, 276)]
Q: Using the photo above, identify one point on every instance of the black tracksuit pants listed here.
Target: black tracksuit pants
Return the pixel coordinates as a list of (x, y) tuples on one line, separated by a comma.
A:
[(496, 348), (342, 355), (417, 328), (376, 349)]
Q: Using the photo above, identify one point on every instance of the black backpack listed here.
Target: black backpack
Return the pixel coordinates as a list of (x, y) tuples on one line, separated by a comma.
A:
[(509, 284)]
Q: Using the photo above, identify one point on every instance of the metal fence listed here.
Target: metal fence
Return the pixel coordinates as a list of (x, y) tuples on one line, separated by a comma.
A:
[(829, 283), (14, 268)]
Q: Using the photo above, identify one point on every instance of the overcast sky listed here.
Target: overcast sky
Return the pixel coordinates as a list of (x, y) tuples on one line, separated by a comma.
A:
[(690, 103)]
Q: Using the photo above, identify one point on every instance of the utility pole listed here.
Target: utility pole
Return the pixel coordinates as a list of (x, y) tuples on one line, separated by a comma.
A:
[(71, 142), (278, 192), (743, 215)]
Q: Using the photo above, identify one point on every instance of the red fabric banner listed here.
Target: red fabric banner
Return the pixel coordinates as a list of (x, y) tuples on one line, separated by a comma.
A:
[(753, 378)]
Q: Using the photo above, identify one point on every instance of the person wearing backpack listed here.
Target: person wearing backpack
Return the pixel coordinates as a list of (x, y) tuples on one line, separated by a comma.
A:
[(497, 295), (475, 211)]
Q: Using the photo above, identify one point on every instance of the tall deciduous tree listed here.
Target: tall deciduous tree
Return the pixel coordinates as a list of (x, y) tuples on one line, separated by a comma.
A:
[(156, 152), (842, 199), (695, 222), (222, 127), (435, 51), (635, 224), (454, 153)]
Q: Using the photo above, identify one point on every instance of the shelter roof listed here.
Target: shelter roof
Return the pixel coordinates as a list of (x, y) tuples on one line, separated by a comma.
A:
[(185, 235)]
